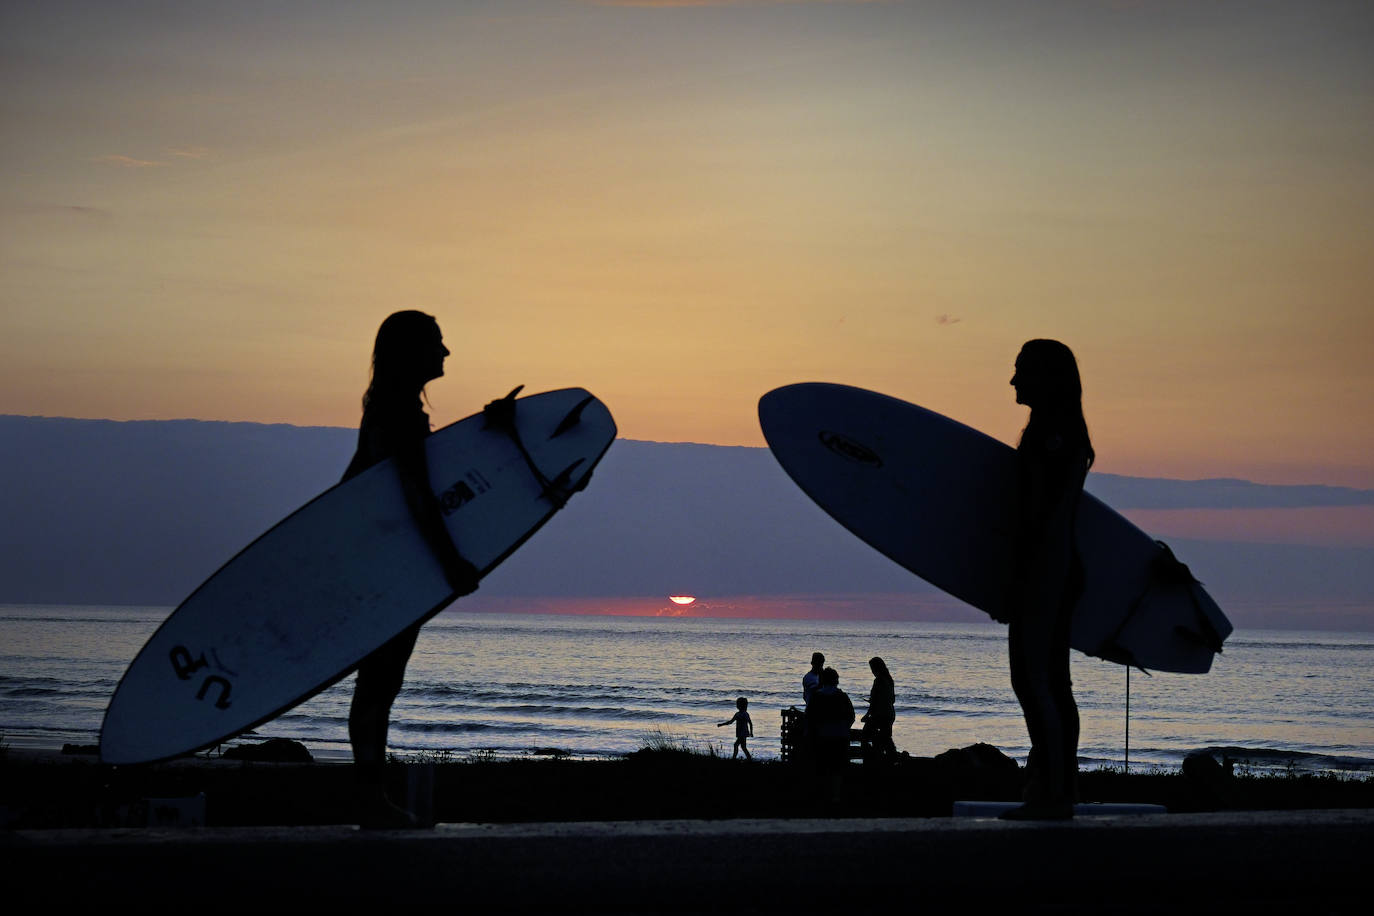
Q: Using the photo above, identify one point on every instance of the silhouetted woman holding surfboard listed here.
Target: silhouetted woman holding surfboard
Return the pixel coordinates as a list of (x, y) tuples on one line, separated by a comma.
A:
[(1052, 458), (408, 354)]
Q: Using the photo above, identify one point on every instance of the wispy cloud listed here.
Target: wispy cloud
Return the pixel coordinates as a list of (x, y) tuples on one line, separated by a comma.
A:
[(670, 4), (79, 210), (190, 152), (171, 152), (48, 209), (943, 320), (127, 162)]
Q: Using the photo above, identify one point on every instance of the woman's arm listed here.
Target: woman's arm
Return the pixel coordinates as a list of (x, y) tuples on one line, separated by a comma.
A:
[(419, 495)]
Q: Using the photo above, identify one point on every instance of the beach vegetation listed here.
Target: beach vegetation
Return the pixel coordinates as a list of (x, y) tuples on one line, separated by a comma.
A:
[(444, 756), (668, 744), (436, 756), (1138, 769)]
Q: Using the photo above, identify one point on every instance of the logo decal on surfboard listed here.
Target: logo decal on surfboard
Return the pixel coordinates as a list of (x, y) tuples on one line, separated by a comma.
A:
[(185, 665), (846, 447), (463, 492)]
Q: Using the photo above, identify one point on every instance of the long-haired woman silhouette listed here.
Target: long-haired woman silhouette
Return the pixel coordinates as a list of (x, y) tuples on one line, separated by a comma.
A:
[(408, 353), (882, 710), (1052, 459)]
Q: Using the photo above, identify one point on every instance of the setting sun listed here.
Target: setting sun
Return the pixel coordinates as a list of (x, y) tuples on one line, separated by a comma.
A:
[(681, 599)]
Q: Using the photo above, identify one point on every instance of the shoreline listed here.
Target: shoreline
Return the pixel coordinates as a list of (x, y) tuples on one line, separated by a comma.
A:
[(1263, 762)]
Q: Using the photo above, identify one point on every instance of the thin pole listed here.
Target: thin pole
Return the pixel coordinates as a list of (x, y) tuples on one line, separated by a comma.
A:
[(1127, 768)]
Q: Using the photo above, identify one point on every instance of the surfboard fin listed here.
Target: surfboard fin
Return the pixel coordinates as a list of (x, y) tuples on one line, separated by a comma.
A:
[(500, 413), (1208, 640), (573, 418), (1166, 571), (1170, 570), (559, 490)]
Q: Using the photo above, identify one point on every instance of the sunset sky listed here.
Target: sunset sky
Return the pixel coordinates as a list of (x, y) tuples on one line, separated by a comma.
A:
[(208, 207)]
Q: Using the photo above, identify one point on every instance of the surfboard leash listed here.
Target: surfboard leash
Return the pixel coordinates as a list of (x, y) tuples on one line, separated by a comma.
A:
[(500, 414)]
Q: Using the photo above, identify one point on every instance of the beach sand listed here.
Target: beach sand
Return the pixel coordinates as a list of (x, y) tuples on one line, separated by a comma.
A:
[(46, 789), (670, 833), (1251, 862)]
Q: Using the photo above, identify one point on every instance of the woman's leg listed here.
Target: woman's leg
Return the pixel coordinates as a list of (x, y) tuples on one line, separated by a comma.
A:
[(887, 746), (1039, 662), (379, 680), (1066, 708)]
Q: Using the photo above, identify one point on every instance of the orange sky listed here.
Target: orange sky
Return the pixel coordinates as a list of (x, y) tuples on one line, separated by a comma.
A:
[(206, 211)]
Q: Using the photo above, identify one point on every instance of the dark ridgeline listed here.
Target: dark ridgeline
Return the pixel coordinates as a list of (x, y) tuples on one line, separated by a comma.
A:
[(101, 512), (98, 512)]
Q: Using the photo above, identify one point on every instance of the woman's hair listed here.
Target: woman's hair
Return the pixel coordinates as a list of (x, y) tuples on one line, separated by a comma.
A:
[(1054, 373), (879, 667), (830, 677), (401, 335)]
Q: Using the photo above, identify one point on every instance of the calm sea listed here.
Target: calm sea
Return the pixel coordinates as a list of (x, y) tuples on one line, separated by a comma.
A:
[(607, 685)]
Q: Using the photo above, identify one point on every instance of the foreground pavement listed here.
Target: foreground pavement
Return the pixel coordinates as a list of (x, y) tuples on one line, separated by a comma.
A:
[(1258, 862)]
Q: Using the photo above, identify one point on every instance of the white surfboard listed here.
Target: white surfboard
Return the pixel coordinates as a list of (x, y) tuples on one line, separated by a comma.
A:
[(937, 497), (298, 608)]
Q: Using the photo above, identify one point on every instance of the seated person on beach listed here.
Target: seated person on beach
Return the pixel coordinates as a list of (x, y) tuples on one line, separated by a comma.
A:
[(744, 728), (829, 716)]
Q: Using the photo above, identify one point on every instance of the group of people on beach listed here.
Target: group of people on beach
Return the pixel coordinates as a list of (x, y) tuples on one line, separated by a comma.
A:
[(1046, 579), (829, 713)]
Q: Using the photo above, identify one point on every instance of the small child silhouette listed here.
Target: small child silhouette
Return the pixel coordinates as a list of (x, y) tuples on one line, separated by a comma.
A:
[(744, 728)]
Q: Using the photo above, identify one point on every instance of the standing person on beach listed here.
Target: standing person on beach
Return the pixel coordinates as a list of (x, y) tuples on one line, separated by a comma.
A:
[(882, 711), (1052, 461), (812, 679), (408, 353), (744, 728)]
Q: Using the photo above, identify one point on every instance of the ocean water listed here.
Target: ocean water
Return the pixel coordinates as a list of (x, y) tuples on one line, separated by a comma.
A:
[(594, 685)]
